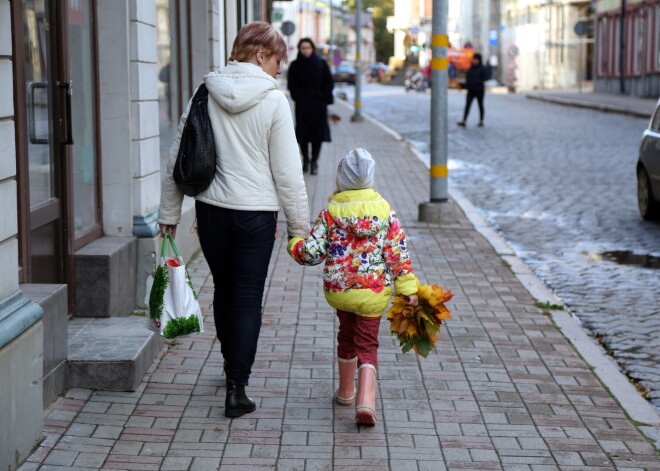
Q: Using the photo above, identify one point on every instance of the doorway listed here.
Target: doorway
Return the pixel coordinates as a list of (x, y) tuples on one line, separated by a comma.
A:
[(56, 112)]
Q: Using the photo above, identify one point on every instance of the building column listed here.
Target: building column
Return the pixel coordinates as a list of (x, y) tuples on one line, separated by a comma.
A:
[(200, 44), (217, 54), (145, 140), (145, 149), (116, 117)]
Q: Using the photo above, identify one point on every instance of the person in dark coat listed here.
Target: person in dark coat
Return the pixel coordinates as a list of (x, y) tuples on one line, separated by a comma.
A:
[(477, 75), (310, 84)]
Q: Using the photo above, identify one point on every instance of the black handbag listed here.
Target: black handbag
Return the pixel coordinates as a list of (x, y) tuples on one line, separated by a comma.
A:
[(195, 163)]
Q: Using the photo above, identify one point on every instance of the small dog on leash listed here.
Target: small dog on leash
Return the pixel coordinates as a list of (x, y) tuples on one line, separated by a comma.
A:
[(335, 118)]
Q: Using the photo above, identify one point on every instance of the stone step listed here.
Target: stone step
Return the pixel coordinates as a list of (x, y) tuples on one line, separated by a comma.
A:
[(110, 354), (54, 301)]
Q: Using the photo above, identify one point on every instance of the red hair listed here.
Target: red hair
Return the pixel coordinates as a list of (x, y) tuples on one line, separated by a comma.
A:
[(256, 36)]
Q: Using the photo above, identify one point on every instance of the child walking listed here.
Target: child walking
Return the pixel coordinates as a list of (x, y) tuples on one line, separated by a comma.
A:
[(364, 248)]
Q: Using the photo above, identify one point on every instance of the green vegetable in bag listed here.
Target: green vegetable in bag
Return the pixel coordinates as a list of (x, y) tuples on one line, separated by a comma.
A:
[(181, 326)]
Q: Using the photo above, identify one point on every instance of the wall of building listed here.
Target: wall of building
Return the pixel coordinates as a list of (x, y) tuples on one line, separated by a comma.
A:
[(21, 370), (539, 47), (312, 20), (21, 330), (8, 202), (641, 49)]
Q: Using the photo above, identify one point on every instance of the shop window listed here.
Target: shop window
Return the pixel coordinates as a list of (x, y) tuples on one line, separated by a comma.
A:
[(603, 46), (173, 70), (167, 77), (638, 40), (83, 113), (615, 45)]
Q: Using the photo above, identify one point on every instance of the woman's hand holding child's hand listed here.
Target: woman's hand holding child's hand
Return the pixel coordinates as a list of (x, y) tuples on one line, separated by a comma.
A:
[(413, 300)]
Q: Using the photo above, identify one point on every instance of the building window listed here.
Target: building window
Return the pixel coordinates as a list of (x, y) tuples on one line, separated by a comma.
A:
[(173, 59), (168, 67), (604, 46), (637, 43), (657, 37), (82, 57), (614, 45)]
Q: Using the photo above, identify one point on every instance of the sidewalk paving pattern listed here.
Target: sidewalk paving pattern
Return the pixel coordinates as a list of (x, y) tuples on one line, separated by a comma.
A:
[(504, 390)]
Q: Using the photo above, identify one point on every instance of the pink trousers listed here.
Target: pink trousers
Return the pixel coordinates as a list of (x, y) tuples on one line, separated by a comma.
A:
[(358, 337)]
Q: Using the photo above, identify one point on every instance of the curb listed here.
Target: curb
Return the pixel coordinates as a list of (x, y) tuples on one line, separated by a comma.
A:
[(589, 105), (604, 367)]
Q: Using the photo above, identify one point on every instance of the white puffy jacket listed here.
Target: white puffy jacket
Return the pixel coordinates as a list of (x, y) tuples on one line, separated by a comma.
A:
[(258, 161)]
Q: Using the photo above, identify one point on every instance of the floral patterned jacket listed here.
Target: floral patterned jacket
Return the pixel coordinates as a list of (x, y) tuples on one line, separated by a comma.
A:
[(364, 248)]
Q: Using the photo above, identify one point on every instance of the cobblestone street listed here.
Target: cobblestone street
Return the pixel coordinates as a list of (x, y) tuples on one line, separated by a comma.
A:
[(560, 185)]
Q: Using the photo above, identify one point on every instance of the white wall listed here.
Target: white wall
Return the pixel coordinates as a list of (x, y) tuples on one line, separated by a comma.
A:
[(8, 198)]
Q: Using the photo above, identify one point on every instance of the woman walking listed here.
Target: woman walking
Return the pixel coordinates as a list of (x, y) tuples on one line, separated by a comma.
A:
[(257, 172), (310, 84), (476, 77)]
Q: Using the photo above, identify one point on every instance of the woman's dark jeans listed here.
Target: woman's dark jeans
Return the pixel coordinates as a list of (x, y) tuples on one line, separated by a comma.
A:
[(237, 246)]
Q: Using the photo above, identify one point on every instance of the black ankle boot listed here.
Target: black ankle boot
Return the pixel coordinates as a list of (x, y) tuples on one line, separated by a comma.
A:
[(315, 168), (305, 165), (236, 402)]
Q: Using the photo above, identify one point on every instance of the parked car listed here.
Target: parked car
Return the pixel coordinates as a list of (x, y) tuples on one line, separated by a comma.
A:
[(648, 169), (344, 72)]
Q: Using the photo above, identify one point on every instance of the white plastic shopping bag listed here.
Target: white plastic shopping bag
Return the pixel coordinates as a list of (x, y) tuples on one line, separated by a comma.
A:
[(173, 306)]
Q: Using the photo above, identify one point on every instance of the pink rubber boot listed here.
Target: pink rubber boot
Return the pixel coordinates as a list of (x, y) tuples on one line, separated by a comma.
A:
[(345, 393), (365, 404)]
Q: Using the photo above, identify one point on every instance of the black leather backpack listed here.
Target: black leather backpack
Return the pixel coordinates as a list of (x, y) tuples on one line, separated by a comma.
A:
[(195, 163)]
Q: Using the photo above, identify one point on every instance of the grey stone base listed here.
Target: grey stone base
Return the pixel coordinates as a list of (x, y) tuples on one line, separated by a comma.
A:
[(21, 414), (110, 354), (145, 225), (442, 212), (53, 300), (105, 277)]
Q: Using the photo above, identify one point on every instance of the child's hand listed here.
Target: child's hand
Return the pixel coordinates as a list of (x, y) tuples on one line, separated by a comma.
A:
[(413, 300)]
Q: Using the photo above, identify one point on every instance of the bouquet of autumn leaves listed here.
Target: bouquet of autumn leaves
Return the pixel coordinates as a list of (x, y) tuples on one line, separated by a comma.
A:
[(417, 327)]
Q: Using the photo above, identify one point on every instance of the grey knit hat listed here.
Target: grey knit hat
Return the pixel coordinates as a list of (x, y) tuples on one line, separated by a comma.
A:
[(356, 171)]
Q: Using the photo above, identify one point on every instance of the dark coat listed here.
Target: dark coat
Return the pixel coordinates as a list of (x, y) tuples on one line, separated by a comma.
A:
[(310, 84), (476, 76)]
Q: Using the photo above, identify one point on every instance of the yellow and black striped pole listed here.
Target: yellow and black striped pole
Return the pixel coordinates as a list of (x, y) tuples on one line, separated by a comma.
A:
[(439, 63), (357, 115), (432, 211)]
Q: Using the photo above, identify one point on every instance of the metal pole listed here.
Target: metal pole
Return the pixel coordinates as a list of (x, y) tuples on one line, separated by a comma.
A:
[(581, 46), (332, 30), (439, 63), (622, 46), (357, 116), (438, 208)]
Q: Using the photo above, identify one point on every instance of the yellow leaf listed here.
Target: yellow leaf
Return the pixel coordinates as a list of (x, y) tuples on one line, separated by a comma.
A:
[(412, 330)]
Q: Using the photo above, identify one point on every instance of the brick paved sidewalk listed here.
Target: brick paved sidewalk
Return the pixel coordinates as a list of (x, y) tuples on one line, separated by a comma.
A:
[(505, 390)]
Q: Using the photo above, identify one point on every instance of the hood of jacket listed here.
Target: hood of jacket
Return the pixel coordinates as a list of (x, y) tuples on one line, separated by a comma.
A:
[(355, 211), (239, 86)]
